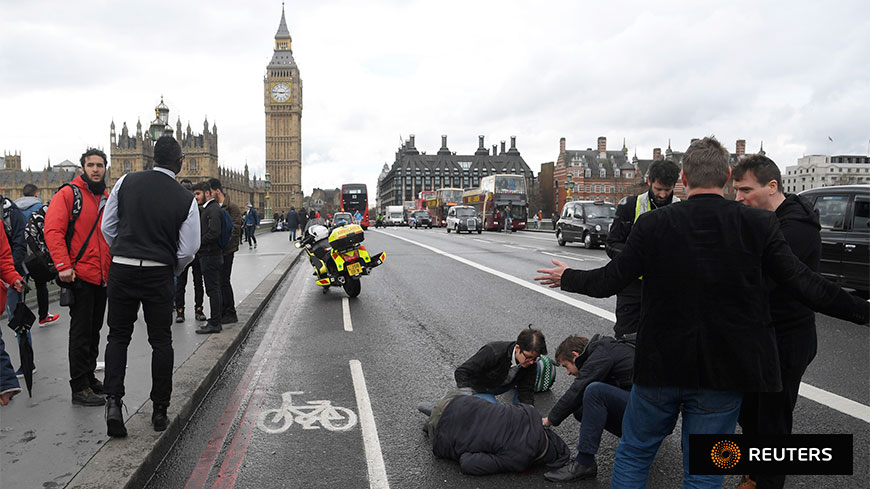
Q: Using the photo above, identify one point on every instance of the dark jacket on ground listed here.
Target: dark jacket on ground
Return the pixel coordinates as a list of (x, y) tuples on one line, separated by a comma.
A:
[(236, 215), (487, 438), (488, 369), (705, 315), (210, 227), (605, 360)]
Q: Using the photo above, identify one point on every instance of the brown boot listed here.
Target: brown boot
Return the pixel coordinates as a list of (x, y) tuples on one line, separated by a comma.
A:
[(746, 483)]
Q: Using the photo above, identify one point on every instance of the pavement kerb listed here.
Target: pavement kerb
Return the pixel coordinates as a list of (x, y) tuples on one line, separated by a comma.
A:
[(129, 462)]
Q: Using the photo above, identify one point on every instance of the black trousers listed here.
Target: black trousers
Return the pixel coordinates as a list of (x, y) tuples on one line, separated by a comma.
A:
[(771, 413), (152, 287), (211, 276), (181, 285), (228, 300), (41, 298), (86, 320), (628, 309), (250, 236)]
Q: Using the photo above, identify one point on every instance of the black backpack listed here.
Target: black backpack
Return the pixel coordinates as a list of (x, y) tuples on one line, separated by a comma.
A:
[(38, 262)]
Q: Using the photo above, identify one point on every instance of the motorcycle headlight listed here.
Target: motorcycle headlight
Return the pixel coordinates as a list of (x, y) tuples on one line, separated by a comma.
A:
[(598, 227)]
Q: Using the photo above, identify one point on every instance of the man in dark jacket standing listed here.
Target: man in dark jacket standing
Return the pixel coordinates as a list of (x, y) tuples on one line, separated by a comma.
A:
[(603, 368), (709, 256), (662, 177), (758, 183), (504, 365), (152, 240), (487, 438), (82, 264), (292, 222), (228, 300), (210, 254)]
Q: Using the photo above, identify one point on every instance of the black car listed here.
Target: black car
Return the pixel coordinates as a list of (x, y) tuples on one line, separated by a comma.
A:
[(585, 221), (421, 219), (844, 213)]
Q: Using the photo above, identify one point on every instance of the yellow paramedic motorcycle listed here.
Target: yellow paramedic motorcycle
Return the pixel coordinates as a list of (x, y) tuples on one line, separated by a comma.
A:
[(338, 256)]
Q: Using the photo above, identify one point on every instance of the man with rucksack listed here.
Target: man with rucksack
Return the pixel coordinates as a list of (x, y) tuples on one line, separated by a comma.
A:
[(81, 257), (29, 204), (228, 301), (210, 253), (13, 225), (152, 240)]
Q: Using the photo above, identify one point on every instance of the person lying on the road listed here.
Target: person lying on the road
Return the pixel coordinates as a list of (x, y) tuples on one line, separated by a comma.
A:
[(500, 366), (489, 438), (603, 367)]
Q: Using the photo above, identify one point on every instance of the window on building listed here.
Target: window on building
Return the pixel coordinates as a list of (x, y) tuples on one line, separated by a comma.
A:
[(428, 180), (612, 189), (127, 166), (476, 181), (193, 166), (587, 173), (465, 182), (602, 173), (418, 180)]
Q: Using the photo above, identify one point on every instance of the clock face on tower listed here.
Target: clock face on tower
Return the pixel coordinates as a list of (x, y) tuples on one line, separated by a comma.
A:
[(280, 92)]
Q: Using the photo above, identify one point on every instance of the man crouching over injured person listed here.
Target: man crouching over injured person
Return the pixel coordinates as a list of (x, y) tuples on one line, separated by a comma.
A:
[(487, 438)]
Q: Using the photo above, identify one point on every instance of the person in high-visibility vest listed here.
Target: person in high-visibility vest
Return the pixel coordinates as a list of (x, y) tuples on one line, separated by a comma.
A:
[(662, 177)]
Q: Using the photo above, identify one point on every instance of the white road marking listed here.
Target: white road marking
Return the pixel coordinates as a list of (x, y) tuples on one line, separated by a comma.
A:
[(279, 420), (374, 456), (833, 401), (483, 240), (529, 285), (517, 247), (345, 309), (574, 257), (840, 403)]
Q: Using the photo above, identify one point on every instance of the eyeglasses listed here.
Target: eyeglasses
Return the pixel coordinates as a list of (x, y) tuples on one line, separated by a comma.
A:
[(529, 356)]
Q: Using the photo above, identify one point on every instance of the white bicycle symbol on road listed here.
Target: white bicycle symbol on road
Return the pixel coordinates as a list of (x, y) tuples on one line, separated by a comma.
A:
[(333, 418)]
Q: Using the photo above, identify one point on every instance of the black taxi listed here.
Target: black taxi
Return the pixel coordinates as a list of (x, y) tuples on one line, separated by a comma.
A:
[(585, 221)]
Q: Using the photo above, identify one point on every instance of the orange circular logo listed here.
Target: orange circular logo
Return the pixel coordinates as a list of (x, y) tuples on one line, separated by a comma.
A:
[(725, 454)]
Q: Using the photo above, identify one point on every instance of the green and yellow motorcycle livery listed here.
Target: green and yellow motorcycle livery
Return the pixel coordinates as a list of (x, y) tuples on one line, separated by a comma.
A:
[(338, 256)]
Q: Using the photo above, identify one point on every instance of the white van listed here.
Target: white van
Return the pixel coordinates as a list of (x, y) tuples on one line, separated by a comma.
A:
[(395, 215)]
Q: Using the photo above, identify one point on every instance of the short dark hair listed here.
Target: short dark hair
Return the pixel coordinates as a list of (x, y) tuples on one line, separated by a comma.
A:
[(167, 151), (93, 152), (215, 184), (532, 340), (764, 169), (29, 190), (186, 183), (202, 186), (571, 344), (706, 164), (666, 172)]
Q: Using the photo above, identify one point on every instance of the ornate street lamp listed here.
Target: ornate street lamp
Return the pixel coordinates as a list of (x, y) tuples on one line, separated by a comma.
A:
[(268, 211), (569, 187)]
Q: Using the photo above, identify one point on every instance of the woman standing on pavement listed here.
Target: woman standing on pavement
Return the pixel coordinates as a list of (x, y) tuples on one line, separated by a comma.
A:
[(251, 222)]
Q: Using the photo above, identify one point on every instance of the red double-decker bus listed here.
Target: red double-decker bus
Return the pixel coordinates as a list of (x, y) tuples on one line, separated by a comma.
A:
[(422, 199), (495, 194), (355, 198), (444, 199)]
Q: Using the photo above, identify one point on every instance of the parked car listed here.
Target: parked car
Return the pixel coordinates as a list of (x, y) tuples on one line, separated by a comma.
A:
[(586, 221), (421, 218), (844, 213), (463, 218), (342, 218)]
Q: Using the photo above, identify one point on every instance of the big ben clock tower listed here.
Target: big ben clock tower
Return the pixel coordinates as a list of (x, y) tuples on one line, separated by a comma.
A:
[(282, 93)]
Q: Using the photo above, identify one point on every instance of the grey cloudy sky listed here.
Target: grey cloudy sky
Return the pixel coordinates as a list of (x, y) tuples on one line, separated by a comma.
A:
[(789, 73)]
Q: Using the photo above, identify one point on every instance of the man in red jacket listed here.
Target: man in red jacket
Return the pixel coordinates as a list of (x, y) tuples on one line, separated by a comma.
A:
[(82, 260)]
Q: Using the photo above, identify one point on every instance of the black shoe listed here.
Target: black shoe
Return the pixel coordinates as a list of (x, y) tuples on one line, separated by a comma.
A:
[(199, 315), (229, 318), (114, 418), (209, 329), (179, 315), (572, 471), (87, 397), (97, 387), (159, 418)]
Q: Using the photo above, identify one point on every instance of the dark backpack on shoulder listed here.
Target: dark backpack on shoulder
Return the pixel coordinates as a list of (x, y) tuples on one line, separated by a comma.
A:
[(38, 262), (226, 228)]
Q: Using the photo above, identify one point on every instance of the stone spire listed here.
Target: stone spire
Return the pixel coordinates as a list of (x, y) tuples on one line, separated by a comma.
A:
[(283, 32)]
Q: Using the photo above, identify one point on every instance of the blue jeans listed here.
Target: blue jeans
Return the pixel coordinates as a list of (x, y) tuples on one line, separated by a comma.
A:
[(490, 396), (651, 416), (603, 409), (8, 380)]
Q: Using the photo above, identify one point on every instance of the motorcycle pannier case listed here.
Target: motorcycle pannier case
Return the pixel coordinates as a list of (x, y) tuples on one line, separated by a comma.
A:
[(346, 237)]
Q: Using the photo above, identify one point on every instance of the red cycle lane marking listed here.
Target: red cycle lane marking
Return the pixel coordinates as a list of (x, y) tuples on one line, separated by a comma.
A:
[(199, 476)]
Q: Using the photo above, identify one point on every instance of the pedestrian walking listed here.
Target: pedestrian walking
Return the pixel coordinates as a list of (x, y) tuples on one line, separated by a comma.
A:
[(13, 225), (554, 218), (663, 175), (82, 263), (303, 219), (228, 300), (292, 222), (537, 219), (152, 240), (251, 222), (28, 204), (709, 310), (508, 219), (210, 254), (758, 183), (196, 275), (9, 385)]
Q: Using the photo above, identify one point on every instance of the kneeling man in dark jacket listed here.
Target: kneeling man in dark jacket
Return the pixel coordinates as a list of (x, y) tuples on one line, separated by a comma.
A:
[(603, 367), (487, 438)]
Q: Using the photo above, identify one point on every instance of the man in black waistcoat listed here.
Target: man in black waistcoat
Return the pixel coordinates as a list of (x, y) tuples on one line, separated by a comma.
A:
[(211, 259), (710, 257), (151, 241)]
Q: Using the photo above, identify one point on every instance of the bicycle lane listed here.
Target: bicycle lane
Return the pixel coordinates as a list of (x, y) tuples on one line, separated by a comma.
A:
[(259, 439)]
